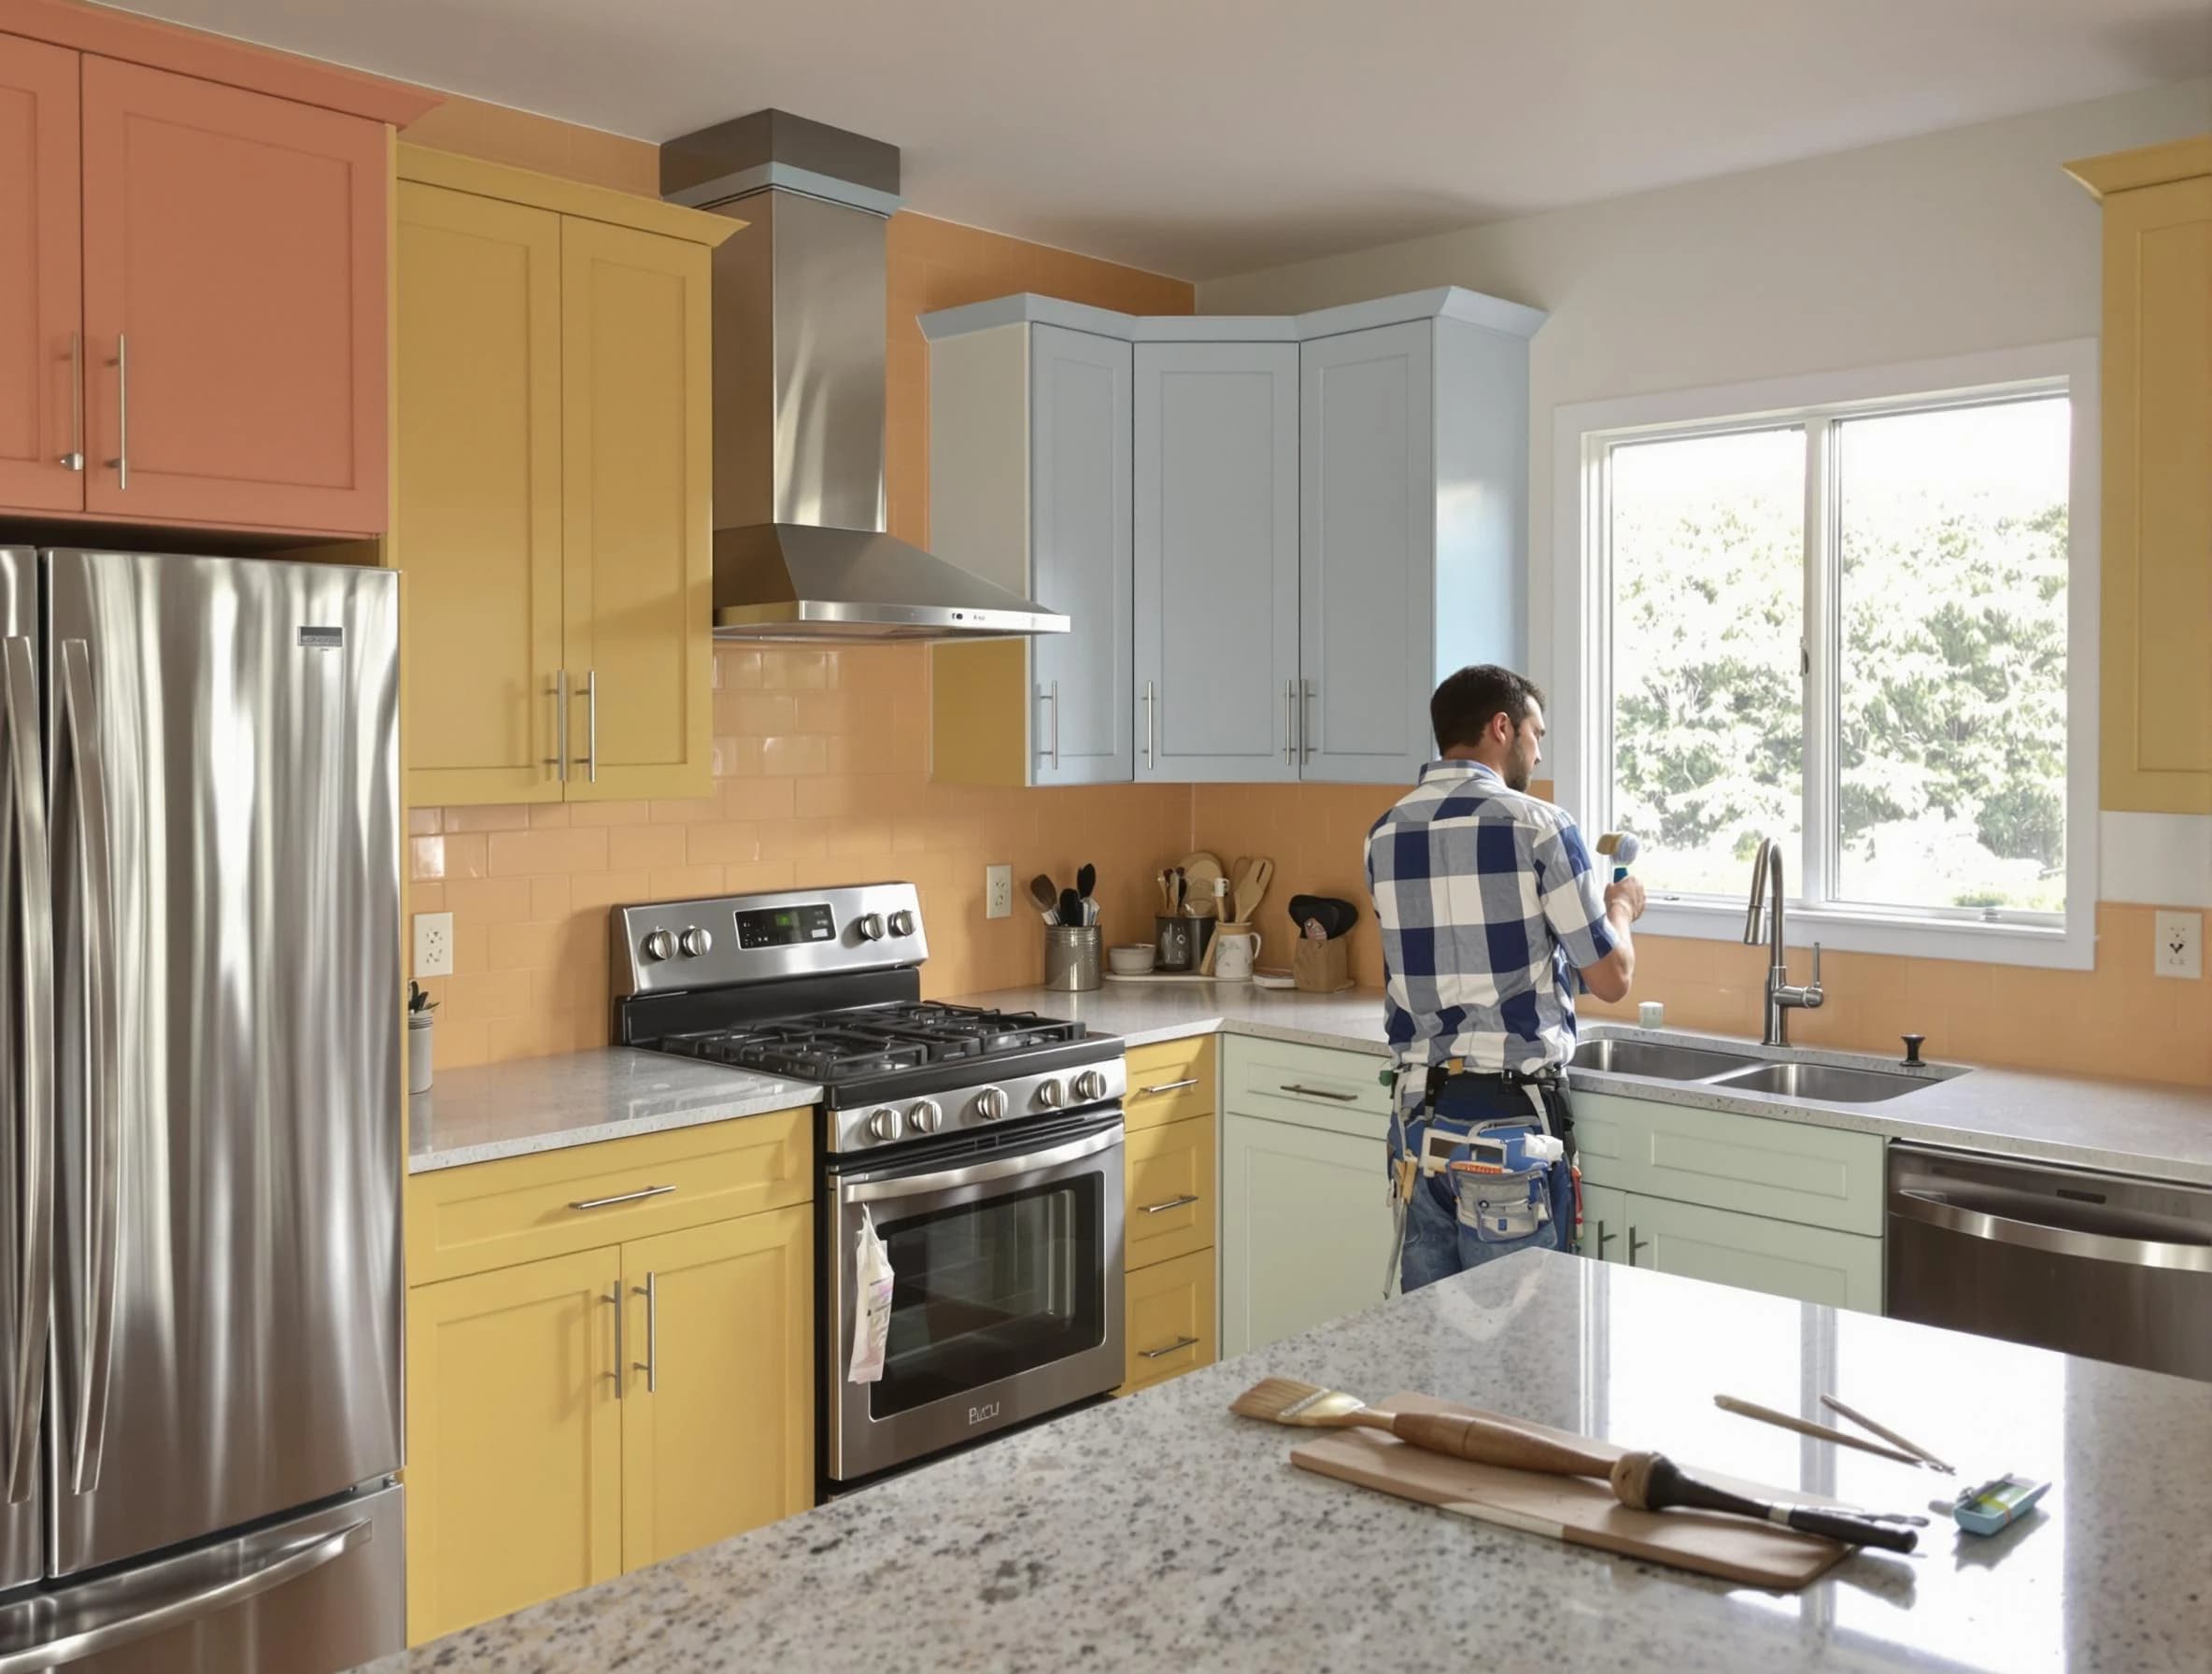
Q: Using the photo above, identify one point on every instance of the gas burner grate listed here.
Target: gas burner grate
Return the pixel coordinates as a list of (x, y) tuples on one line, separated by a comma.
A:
[(837, 1047)]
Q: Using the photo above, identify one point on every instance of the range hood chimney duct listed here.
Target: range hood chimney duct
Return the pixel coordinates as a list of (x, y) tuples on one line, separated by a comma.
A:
[(799, 321)]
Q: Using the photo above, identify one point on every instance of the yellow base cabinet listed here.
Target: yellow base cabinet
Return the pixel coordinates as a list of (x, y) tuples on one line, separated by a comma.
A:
[(2156, 553), (1172, 1209), (514, 1440), (1170, 1323), (553, 500), (717, 1419)]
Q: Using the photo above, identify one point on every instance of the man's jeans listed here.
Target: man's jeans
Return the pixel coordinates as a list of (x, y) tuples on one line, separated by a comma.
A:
[(1436, 1244)]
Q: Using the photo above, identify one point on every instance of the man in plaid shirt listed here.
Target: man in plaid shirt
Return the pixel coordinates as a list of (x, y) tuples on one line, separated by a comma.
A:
[(1492, 912)]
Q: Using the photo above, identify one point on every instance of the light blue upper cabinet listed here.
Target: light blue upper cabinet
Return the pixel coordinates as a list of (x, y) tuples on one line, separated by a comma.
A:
[(1080, 510), (1216, 561), (1413, 550)]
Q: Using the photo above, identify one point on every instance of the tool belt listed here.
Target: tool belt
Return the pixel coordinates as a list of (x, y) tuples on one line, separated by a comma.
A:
[(1498, 1168)]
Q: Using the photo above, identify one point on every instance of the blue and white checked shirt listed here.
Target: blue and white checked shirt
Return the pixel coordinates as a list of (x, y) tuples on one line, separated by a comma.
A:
[(1489, 903)]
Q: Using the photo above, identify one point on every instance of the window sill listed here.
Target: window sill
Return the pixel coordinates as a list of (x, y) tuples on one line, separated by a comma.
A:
[(2074, 947)]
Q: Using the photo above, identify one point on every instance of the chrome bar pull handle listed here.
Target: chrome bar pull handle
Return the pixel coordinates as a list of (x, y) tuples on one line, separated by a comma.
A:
[(1182, 1202), (558, 761), (1637, 1246), (1150, 713), (1306, 721), (1306, 1092), (24, 794), (104, 1126), (621, 1372), (1180, 1343), (650, 1364), (642, 1191), (1290, 723), (590, 758), (1603, 1238), (1056, 726), (120, 463), (74, 458), (1168, 1087)]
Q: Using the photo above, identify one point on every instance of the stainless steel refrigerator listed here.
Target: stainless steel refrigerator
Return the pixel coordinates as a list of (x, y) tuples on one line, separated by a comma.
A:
[(200, 1114)]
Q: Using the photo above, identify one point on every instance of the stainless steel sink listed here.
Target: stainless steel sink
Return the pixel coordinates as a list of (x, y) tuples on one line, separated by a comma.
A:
[(1655, 1058), (1829, 1082)]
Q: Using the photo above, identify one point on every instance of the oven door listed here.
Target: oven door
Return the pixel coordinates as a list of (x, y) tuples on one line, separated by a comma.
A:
[(1006, 1299)]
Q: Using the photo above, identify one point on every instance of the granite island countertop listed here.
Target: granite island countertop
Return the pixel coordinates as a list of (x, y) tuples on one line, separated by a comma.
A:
[(2125, 1127), (1160, 1532), (491, 1110)]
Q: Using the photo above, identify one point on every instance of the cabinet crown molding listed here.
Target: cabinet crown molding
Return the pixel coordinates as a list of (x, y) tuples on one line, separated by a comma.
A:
[(1444, 301), (2147, 165)]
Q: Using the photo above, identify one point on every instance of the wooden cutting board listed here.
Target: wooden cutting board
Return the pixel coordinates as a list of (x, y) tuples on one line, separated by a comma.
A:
[(1580, 1511)]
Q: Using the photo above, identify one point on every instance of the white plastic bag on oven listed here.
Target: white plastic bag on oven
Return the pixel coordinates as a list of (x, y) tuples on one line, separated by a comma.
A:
[(872, 1294)]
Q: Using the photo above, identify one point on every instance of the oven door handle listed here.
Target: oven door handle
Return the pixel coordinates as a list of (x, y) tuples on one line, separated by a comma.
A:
[(999, 1168)]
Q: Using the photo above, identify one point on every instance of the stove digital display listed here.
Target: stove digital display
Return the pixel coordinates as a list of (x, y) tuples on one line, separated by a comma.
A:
[(786, 926)]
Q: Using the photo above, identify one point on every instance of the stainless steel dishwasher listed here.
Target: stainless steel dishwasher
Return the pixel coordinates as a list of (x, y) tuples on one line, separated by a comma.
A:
[(2102, 1265)]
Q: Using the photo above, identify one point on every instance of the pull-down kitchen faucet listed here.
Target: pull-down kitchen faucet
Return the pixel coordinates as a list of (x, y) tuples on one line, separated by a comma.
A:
[(1781, 999)]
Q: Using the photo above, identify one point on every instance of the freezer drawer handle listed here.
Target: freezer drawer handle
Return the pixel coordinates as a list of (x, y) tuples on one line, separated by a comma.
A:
[(649, 1191), (1182, 1202), (34, 1191), (1180, 1343), (286, 1564), (2058, 1240), (103, 1116)]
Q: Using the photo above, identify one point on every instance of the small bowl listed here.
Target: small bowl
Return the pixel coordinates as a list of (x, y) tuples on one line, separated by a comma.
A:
[(1131, 958)]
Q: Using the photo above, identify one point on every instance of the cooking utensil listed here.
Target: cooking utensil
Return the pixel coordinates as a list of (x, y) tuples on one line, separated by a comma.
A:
[(1070, 908), (1046, 897), (1201, 867), (1865, 1423), (1336, 918), (1250, 887), (1087, 879), (1642, 1481), (1803, 1427)]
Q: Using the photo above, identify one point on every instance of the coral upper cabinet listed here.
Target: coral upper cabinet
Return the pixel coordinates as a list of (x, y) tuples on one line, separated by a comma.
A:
[(554, 486), (192, 298)]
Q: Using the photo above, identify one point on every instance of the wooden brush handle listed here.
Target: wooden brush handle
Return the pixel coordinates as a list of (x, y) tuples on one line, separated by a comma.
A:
[(1653, 1482), (1486, 1441)]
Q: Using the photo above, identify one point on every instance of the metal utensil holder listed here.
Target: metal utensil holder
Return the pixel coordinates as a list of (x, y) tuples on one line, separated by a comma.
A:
[(1071, 957)]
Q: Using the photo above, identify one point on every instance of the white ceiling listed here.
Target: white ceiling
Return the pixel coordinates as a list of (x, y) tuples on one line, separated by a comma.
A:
[(1200, 137)]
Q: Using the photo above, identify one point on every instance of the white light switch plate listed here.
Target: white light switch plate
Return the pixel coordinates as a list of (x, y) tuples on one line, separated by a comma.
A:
[(434, 945), (998, 892), (2180, 945)]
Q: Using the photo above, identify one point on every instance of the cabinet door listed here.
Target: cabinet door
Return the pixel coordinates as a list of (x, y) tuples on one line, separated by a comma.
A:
[(1080, 683), (233, 304), (1306, 1229), (41, 352), (1168, 1310), (1604, 1236), (2157, 710), (1366, 553), (514, 1440), (478, 520), (637, 492), (1217, 559), (718, 1435), (1810, 1264)]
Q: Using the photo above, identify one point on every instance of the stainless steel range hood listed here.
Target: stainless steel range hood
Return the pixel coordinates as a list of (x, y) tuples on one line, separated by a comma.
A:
[(799, 324)]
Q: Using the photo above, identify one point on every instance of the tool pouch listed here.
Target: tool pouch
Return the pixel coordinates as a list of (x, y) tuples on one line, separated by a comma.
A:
[(1502, 1207)]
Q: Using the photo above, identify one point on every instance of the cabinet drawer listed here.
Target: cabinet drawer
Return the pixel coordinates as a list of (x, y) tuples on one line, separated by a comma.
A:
[(468, 1220), (1169, 1310), (1169, 1080), (1170, 1198), (1758, 1165), (1314, 1087)]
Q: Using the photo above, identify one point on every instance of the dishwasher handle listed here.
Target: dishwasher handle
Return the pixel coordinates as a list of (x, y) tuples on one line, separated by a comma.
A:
[(2056, 1240)]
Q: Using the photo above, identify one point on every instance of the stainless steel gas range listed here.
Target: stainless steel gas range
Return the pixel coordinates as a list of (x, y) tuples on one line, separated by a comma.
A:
[(984, 1147)]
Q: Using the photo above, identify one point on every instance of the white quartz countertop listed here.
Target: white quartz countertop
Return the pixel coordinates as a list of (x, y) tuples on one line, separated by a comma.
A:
[(1160, 1532), (493, 1111), (2124, 1126)]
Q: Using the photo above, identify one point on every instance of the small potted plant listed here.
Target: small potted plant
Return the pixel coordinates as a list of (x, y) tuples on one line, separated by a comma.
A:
[(421, 1010)]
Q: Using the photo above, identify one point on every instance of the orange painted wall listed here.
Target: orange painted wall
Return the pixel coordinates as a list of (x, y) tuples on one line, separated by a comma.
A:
[(821, 769)]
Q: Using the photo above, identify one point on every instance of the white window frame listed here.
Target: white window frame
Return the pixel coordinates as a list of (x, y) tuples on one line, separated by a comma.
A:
[(1582, 601)]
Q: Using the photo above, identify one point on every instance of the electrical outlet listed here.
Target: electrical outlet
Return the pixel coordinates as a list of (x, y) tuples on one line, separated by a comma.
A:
[(434, 945), (2181, 949), (998, 892)]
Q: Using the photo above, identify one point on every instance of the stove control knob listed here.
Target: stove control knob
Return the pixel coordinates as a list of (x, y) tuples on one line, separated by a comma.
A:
[(924, 1117), (1090, 1086), (884, 1123), (695, 941), (659, 944), (990, 1104), (870, 926), (903, 922), (1048, 1095)]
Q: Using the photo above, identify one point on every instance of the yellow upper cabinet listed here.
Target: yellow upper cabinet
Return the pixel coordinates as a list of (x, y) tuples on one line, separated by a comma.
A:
[(554, 494), (2156, 749)]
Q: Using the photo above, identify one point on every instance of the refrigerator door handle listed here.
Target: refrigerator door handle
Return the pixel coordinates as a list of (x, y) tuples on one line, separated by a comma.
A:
[(282, 1564), (102, 1106), (24, 795)]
